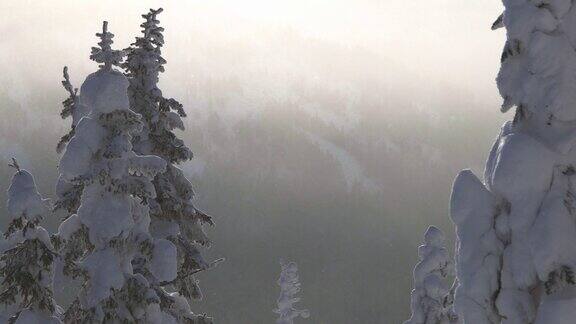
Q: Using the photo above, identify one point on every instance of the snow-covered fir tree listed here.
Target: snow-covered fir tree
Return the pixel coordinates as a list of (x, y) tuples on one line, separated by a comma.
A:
[(432, 298), (289, 287), (109, 233), (516, 252), (173, 214), (26, 292)]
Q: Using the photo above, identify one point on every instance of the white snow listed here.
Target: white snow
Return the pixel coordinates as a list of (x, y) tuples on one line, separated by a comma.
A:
[(106, 215), (515, 158), (106, 271), (76, 160), (24, 199), (105, 91), (478, 249), (164, 260), (553, 235), (517, 234), (558, 308), (431, 300), (147, 165)]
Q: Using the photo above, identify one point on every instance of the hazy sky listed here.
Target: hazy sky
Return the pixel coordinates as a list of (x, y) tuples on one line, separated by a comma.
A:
[(441, 40)]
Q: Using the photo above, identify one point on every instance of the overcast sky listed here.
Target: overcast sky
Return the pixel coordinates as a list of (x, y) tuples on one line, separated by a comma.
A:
[(441, 40)]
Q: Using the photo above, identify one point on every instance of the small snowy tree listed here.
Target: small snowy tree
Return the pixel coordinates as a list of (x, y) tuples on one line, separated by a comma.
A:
[(70, 109), (516, 253), (432, 297), (27, 261), (173, 214), (68, 194), (289, 288)]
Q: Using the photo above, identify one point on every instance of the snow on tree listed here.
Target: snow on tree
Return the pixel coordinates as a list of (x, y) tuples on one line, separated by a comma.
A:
[(71, 108), (432, 297), (289, 287), (77, 107), (27, 258), (478, 249), (173, 214), (68, 194), (110, 229), (517, 231)]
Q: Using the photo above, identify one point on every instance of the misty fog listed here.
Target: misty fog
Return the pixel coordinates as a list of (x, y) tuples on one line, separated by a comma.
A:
[(324, 132)]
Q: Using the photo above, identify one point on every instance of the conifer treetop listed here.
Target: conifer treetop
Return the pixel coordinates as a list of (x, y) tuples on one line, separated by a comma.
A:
[(14, 164), (144, 58), (70, 108), (67, 84), (150, 27), (104, 53)]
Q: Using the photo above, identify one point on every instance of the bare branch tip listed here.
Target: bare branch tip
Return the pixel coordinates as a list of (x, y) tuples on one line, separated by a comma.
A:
[(14, 164)]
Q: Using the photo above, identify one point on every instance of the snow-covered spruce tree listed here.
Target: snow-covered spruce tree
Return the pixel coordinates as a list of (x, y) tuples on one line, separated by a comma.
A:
[(26, 293), (173, 214), (110, 230), (432, 298), (289, 288), (516, 231)]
